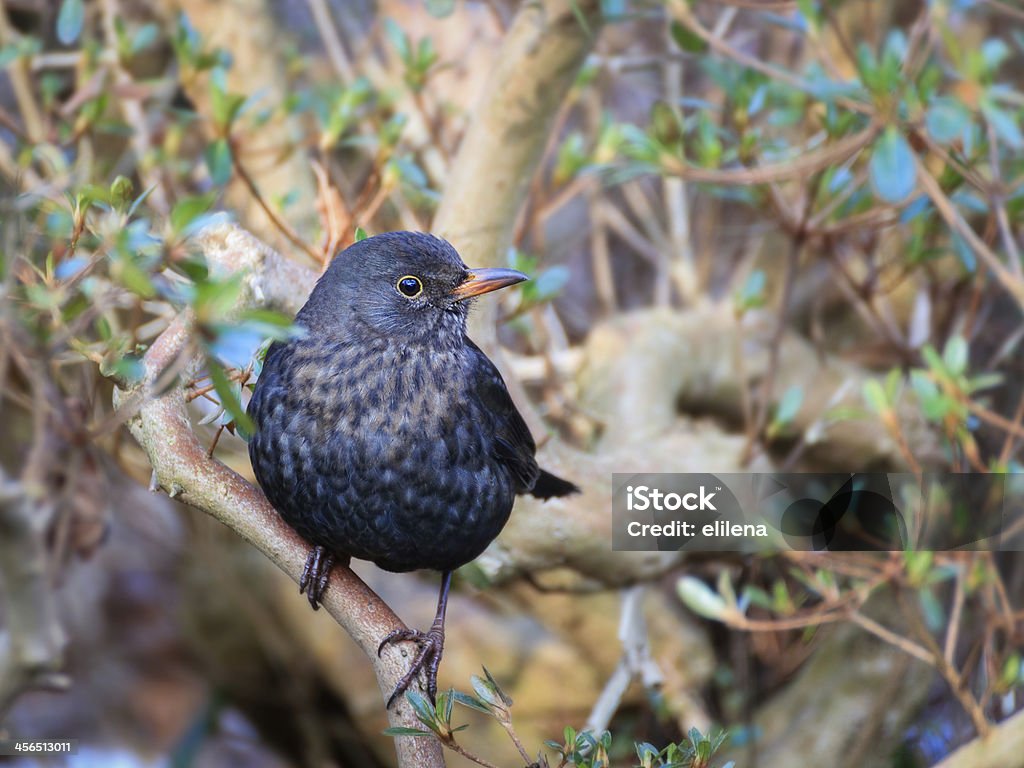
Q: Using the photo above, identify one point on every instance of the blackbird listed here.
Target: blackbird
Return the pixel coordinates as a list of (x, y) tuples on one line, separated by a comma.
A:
[(384, 433)]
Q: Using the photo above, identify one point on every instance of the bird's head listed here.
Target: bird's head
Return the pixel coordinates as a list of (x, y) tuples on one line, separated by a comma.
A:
[(406, 286)]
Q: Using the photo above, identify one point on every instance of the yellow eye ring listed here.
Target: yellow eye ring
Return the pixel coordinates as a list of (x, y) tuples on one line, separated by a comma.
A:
[(409, 286)]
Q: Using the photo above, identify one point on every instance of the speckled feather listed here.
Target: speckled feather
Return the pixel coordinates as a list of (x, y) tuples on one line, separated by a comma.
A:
[(384, 433)]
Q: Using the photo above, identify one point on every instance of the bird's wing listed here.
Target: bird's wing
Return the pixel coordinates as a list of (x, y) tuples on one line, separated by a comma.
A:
[(513, 444)]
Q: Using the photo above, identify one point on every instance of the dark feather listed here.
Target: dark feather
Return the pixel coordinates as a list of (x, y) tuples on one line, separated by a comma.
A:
[(514, 446), (548, 486)]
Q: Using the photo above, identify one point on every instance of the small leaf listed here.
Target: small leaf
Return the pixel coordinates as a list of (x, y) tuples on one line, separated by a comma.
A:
[(700, 598), (440, 9), (955, 355), (70, 21), (893, 174), (218, 161), (874, 395), (1011, 674), (687, 39), (1004, 124), (399, 40), (229, 400), (423, 708), (214, 299), (946, 120), (144, 37), (361, 234), (790, 404), (187, 209), (751, 294), (121, 193), (469, 701), (506, 700)]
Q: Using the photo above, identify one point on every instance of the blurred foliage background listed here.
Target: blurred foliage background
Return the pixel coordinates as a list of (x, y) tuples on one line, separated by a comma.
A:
[(763, 234)]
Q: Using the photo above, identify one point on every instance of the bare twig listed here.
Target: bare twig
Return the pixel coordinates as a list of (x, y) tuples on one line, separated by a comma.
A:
[(802, 165), (332, 41), (1006, 8), (682, 12), (956, 222), (283, 226), (21, 84), (998, 198), (636, 662)]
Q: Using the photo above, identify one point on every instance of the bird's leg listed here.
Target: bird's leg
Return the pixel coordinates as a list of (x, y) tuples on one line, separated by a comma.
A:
[(315, 574), (431, 645)]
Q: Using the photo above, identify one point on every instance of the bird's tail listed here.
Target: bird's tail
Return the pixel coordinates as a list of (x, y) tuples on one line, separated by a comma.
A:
[(549, 485)]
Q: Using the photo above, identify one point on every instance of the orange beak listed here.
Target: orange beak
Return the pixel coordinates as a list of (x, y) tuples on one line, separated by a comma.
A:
[(480, 281)]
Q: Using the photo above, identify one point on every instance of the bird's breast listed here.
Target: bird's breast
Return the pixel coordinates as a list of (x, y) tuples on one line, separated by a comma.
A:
[(386, 450)]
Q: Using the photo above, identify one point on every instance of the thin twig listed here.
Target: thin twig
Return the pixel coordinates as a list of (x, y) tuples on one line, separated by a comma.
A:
[(332, 41), (276, 220), (802, 165), (953, 625), (956, 222), (998, 198), (682, 12)]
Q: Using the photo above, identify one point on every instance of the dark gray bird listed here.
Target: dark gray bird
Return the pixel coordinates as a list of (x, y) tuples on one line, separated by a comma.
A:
[(384, 433)]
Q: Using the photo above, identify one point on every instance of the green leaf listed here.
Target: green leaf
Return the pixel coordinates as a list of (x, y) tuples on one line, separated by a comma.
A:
[(687, 39), (1005, 125), (144, 37), (214, 299), (892, 170), (423, 708), (955, 355), (224, 106), (485, 691), (751, 294), (700, 598), (218, 161), (188, 208), (874, 396), (440, 9), (132, 277), (70, 20), (361, 234), (946, 120), (1011, 674), (229, 399), (470, 701), (790, 404), (140, 200), (399, 40), (121, 193), (505, 698)]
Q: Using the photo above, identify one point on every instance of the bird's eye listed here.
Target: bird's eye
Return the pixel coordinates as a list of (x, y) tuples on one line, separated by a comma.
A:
[(409, 286)]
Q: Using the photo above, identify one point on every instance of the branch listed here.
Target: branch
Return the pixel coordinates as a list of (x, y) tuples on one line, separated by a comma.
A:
[(948, 211), (32, 649), (160, 423), (1002, 746), (800, 166), (510, 126)]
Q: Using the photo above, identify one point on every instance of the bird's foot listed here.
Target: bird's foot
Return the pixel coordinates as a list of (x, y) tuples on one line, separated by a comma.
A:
[(315, 574), (427, 660)]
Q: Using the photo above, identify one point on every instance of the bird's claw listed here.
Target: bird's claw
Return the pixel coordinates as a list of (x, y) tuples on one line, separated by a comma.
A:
[(315, 574), (427, 660)]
